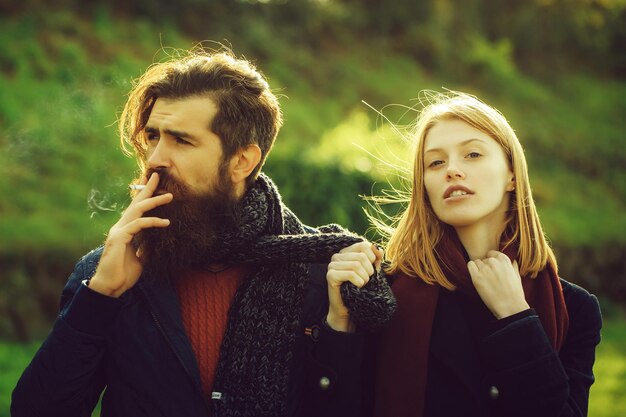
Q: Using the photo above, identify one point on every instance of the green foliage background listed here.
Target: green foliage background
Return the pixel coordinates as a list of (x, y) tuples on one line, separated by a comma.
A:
[(555, 68)]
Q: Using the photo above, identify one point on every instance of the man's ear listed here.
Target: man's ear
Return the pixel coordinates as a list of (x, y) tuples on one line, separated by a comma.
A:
[(243, 162)]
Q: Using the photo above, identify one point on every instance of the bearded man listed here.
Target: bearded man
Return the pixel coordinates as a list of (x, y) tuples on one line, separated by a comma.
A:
[(209, 297)]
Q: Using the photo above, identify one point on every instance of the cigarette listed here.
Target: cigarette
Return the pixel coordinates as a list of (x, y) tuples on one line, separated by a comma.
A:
[(137, 187)]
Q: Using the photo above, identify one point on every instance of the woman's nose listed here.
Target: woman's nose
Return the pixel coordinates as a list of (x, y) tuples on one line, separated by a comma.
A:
[(454, 172)]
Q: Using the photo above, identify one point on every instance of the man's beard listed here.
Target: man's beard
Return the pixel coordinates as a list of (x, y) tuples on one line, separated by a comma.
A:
[(196, 223)]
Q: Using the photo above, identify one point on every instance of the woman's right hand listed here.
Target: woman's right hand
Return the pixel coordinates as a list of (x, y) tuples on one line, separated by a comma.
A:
[(355, 264), (120, 266)]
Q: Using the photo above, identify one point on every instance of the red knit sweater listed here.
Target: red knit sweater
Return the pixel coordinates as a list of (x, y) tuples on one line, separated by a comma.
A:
[(205, 298)]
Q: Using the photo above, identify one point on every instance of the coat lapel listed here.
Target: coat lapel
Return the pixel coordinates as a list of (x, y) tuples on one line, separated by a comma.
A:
[(165, 311), (452, 344)]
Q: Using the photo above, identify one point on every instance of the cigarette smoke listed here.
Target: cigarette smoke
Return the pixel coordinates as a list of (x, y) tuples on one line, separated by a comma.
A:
[(99, 201)]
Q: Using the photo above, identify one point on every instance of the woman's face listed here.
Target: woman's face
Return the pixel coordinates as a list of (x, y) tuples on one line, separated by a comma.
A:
[(466, 175)]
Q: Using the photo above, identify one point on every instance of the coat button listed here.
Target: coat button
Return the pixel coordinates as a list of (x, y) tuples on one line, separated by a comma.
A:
[(313, 332), (494, 393), (324, 383)]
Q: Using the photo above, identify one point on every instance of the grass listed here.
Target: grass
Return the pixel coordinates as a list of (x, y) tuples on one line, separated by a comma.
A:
[(608, 394)]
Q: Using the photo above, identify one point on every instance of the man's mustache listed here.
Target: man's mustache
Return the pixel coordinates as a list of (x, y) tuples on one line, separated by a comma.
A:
[(167, 182)]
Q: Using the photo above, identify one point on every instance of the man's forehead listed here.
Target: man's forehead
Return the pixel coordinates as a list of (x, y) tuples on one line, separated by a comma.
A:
[(182, 114)]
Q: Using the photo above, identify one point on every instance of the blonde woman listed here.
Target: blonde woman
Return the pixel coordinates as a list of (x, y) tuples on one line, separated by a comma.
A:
[(484, 325)]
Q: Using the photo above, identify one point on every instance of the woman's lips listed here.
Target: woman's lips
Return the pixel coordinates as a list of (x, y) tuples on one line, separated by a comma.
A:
[(456, 191)]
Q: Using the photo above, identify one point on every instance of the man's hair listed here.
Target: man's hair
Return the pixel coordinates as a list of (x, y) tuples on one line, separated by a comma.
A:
[(248, 112), (417, 230)]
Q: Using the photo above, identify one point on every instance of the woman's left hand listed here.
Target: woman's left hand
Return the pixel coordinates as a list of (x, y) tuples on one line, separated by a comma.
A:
[(499, 284)]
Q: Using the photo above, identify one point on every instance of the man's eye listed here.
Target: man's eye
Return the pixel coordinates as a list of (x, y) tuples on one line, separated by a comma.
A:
[(181, 141)]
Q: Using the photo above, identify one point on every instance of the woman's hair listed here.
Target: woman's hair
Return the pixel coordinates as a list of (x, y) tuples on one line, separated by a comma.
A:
[(417, 230), (248, 112)]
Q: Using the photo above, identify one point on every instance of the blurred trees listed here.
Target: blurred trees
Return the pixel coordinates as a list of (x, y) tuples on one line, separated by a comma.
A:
[(548, 35)]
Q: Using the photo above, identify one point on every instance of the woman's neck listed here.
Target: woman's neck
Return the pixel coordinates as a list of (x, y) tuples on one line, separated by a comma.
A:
[(478, 240)]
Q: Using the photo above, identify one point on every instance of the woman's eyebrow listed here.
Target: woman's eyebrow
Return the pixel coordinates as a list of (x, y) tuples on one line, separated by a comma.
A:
[(465, 142)]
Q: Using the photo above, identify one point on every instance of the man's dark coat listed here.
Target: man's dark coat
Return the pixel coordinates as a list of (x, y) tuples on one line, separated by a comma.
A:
[(135, 349)]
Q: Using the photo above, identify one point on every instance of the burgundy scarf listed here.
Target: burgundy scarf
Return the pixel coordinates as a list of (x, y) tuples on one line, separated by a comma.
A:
[(404, 344)]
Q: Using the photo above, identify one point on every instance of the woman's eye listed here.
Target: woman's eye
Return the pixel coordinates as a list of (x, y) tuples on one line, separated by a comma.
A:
[(473, 155), (435, 163), (152, 137)]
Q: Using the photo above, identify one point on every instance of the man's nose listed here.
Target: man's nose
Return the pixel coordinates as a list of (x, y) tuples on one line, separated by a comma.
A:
[(158, 155)]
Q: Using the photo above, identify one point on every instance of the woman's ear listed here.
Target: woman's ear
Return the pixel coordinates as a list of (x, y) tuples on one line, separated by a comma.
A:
[(243, 163), (511, 185)]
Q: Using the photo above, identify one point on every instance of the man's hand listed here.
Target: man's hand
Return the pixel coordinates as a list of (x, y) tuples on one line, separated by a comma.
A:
[(120, 267), (498, 283), (355, 263)]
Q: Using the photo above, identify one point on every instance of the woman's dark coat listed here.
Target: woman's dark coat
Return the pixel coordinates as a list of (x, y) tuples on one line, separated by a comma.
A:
[(513, 370)]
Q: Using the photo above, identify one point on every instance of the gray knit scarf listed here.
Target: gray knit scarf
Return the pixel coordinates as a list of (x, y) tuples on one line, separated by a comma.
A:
[(257, 349)]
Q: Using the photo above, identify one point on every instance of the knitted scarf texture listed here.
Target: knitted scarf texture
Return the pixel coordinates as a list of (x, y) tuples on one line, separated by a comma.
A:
[(253, 369)]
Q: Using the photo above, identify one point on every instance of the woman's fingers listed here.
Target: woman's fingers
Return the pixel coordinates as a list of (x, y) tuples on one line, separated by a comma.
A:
[(360, 258), (472, 268), (498, 284), (353, 268), (379, 253), (496, 254), (363, 247), (354, 264), (341, 276)]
